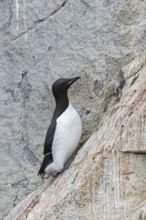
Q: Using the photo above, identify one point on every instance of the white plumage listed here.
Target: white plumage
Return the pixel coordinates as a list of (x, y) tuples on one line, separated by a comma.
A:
[(66, 139)]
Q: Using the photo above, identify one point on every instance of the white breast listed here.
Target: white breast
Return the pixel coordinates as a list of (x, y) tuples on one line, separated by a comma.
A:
[(67, 135)]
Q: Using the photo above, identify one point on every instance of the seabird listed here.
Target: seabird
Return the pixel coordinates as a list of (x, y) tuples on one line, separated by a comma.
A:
[(64, 132)]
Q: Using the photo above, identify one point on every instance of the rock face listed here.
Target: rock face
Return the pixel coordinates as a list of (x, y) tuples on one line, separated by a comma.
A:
[(104, 42), (108, 176)]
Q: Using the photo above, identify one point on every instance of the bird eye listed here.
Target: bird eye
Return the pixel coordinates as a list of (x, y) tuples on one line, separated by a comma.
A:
[(63, 84)]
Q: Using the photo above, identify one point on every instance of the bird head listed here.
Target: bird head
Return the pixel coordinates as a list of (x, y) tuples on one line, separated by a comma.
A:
[(62, 85)]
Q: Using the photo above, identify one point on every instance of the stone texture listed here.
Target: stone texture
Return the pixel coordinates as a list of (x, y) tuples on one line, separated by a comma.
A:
[(41, 41), (107, 178), (139, 213)]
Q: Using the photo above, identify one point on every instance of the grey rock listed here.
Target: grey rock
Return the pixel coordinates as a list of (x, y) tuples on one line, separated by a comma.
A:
[(41, 41)]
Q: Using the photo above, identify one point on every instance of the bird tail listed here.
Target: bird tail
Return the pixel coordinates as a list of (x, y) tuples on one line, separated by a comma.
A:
[(46, 161)]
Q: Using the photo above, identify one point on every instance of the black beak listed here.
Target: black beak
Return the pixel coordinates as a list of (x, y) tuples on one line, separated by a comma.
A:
[(72, 80)]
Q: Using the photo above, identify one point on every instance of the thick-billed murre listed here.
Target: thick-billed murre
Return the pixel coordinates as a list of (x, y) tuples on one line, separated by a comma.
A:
[(64, 132)]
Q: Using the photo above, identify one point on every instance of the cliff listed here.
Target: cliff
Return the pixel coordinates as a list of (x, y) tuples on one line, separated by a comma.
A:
[(104, 42), (107, 178)]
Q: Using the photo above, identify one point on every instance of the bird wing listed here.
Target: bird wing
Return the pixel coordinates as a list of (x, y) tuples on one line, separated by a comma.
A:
[(48, 148), (49, 138), (48, 144), (46, 161)]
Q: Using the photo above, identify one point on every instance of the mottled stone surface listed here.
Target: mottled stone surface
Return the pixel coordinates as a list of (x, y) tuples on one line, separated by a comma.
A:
[(139, 213), (41, 41), (108, 176)]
